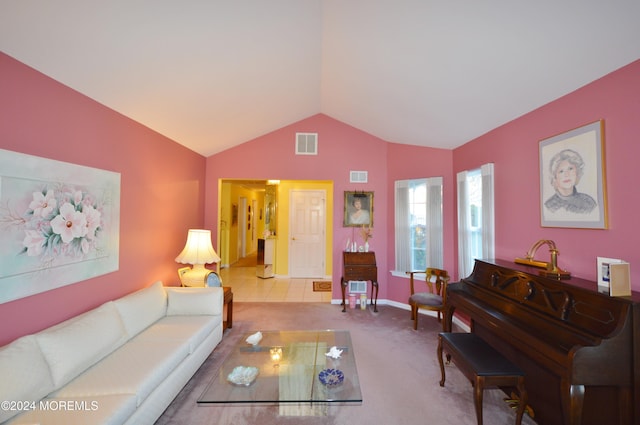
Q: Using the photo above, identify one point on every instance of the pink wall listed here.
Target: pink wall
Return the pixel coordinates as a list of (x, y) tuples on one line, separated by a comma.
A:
[(341, 148), (162, 188), (513, 148), (163, 183), (414, 162)]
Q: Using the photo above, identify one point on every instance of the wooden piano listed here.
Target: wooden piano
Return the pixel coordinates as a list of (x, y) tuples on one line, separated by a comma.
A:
[(580, 349)]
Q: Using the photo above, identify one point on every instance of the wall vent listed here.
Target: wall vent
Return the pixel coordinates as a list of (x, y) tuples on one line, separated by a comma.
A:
[(359, 177), (357, 286), (306, 143)]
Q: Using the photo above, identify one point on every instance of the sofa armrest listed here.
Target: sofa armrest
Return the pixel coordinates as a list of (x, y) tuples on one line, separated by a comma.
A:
[(194, 301)]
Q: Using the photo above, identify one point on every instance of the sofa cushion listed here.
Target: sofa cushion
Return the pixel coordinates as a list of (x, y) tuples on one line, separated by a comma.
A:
[(141, 308), (137, 367), (72, 346), (104, 410), (194, 301), (25, 374), (190, 329)]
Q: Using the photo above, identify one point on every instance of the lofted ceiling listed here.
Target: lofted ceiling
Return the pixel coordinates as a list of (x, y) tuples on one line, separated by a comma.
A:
[(211, 74)]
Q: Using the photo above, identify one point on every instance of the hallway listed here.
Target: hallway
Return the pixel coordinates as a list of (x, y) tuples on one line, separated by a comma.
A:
[(247, 287)]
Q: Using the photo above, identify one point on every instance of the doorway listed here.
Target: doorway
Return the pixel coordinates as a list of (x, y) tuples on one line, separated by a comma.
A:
[(307, 233), (270, 215)]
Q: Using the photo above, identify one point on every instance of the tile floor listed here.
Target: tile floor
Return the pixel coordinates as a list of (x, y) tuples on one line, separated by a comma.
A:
[(247, 287)]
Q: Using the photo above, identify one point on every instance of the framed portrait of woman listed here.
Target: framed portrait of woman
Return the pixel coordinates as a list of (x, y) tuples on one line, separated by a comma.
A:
[(572, 179), (358, 209)]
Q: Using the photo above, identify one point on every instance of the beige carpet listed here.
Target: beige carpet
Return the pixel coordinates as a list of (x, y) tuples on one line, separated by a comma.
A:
[(397, 369)]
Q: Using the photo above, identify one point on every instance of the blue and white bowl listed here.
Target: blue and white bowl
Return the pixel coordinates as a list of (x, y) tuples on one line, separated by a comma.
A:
[(331, 377)]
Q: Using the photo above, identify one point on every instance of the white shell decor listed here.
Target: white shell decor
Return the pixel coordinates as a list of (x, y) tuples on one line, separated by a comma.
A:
[(243, 375), (334, 353), (254, 339)]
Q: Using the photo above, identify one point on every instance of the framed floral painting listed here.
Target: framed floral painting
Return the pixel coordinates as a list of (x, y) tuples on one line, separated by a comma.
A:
[(59, 224), (572, 179)]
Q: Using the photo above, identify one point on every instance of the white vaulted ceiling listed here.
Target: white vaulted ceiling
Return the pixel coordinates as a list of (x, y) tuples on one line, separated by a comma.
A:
[(211, 74)]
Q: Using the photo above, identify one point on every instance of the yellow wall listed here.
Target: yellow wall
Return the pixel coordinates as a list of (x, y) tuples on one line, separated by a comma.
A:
[(229, 229)]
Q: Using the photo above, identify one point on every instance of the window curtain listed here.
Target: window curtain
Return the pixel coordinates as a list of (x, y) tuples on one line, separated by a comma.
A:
[(465, 262), (487, 222), (435, 231), (434, 226), (488, 213), (403, 226)]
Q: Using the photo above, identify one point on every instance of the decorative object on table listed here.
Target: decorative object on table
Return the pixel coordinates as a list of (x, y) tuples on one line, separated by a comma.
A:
[(243, 375), (60, 224), (334, 352), (572, 179), (358, 209), (213, 280), (366, 233), (276, 355), (255, 338), (331, 377), (198, 251)]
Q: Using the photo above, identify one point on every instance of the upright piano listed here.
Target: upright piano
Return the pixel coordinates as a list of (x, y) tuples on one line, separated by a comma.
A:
[(580, 349)]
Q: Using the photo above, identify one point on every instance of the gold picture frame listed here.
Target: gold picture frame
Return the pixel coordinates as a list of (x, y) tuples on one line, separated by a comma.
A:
[(358, 209), (572, 179)]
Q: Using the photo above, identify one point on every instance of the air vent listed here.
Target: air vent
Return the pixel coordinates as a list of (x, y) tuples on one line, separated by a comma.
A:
[(357, 286), (306, 143), (359, 176)]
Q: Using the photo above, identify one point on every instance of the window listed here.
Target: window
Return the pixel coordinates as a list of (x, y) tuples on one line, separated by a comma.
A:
[(419, 234), (475, 217)]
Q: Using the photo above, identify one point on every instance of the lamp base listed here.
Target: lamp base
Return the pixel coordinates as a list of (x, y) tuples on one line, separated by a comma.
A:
[(196, 276)]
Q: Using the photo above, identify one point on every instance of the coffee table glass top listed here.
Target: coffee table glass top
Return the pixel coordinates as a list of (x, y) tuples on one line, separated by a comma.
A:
[(287, 367)]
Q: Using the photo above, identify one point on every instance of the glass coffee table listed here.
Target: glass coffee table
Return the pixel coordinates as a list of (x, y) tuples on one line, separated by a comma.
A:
[(287, 368)]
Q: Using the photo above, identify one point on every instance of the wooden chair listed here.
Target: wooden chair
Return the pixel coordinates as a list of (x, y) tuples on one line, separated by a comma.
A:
[(434, 299)]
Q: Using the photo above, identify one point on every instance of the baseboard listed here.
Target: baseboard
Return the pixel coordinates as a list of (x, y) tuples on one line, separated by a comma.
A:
[(456, 321)]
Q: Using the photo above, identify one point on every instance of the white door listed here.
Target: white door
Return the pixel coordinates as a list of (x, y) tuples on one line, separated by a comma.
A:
[(307, 231)]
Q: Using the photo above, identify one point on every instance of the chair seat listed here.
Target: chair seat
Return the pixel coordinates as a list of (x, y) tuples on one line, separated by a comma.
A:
[(426, 299), (436, 281)]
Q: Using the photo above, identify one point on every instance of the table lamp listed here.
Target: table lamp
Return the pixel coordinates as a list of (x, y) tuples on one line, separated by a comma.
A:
[(198, 251)]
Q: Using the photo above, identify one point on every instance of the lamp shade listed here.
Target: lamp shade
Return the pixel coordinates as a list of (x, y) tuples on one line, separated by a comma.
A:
[(198, 249)]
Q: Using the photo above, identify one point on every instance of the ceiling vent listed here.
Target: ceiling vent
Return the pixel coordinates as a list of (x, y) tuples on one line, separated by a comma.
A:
[(359, 177), (306, 143)]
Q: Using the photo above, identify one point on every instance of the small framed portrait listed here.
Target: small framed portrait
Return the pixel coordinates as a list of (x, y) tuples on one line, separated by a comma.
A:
[(572, 179), (358, 209)]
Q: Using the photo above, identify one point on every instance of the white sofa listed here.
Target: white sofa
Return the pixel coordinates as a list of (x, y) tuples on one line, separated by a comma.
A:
[(121, 363)]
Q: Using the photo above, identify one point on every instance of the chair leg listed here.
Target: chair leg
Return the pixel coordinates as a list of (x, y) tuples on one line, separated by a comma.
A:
[(440, 362), (415, 320)]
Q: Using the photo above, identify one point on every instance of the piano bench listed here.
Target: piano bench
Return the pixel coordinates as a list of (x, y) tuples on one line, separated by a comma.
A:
[(483, 366)]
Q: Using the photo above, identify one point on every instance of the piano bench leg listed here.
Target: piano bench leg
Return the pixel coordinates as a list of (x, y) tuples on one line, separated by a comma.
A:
[(494, 370)]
